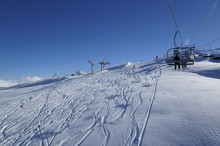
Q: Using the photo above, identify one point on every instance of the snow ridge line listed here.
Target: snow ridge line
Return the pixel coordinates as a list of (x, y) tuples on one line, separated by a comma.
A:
[(149, 111)]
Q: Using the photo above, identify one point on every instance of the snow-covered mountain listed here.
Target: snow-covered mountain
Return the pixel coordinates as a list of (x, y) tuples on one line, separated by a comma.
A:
[(8, 83), (134, 104), (25, 80)]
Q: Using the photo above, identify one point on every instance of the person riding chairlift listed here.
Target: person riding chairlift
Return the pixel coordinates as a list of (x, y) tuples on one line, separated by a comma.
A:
[(177, 61), (183, 62)]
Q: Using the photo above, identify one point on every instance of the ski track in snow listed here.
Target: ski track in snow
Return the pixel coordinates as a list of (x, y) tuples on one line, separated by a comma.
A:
[(149, 108), (110, 97)]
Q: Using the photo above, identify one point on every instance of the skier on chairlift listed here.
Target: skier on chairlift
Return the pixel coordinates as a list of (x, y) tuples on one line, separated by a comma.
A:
[(183, 63), (177, 61)]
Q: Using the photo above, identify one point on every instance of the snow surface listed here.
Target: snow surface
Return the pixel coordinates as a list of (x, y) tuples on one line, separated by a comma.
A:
[(149, 104)]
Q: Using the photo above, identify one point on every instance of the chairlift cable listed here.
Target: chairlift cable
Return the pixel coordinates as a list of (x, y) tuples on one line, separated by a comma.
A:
[(214, 40), (174, 19), (209, 43), (206, 20)]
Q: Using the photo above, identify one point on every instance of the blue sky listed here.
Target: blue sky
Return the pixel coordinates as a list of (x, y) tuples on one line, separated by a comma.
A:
[(42, 37)]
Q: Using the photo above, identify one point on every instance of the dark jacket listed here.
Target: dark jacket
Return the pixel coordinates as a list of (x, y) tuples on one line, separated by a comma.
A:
[(176, 58)]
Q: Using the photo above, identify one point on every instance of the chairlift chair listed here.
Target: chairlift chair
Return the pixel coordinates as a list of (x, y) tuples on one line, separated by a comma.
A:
[(205, 53), (216, 53), (186, 55)]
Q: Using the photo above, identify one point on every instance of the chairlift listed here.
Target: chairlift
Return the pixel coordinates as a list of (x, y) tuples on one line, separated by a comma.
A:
[(216, 53), (205, 53), (186, 55)]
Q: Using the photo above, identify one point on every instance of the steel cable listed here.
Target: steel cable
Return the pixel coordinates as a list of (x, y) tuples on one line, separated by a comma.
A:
[(174, 19)]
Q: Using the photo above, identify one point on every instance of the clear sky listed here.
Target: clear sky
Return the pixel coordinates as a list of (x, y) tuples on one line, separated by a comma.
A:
[(42, 37)]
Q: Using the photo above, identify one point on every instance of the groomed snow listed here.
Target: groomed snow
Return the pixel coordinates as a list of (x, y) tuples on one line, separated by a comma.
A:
[(137, 104)]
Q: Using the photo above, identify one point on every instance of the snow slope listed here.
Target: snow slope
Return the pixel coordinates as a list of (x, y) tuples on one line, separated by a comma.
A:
[(151, 104)]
